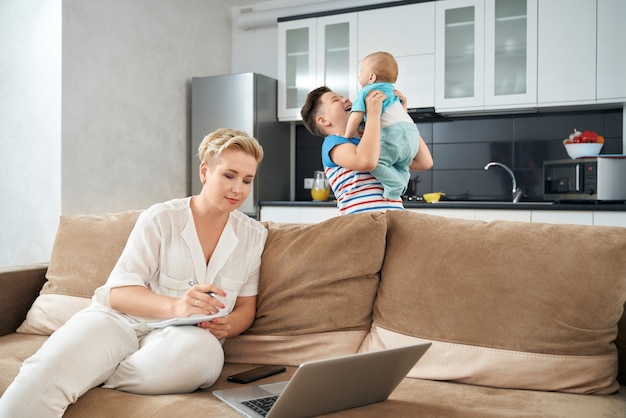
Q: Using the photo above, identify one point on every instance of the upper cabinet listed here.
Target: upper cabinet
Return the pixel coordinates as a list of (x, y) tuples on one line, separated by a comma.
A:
[(510, 53), (567, 52), (486, 54), (611, 52), (464, 56), (311, 53), (409, 34)]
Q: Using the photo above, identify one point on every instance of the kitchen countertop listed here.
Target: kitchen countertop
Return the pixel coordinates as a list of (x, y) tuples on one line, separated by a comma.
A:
[(469, 204)]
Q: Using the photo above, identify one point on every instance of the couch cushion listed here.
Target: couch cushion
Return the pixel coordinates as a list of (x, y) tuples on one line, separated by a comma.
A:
[(85, 250), (506, 304), (316, 291), (14, 349)]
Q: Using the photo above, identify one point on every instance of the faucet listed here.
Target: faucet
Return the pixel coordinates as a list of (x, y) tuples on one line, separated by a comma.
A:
[(517, 193)]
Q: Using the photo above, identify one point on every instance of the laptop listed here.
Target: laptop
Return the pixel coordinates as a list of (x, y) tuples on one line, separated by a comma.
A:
[(329, 385)]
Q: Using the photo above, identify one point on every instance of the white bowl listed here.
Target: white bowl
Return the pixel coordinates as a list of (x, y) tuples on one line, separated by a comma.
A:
[(583, 150)]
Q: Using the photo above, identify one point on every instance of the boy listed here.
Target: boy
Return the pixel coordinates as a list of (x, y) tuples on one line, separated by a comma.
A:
[(348, 161)]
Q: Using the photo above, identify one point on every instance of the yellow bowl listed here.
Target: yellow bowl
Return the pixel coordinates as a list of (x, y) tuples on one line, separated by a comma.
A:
[(432, 197)]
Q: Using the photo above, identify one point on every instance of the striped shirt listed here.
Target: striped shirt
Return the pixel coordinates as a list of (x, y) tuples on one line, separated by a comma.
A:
[(355, 191)]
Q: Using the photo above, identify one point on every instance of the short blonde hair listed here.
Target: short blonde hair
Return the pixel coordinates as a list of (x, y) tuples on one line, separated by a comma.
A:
[(384, 65), (215, 143)]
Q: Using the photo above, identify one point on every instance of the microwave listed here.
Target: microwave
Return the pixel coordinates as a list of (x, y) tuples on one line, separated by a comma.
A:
[(585, 179)]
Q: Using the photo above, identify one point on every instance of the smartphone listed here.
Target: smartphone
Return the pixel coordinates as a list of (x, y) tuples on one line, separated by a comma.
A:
[(255, 374)]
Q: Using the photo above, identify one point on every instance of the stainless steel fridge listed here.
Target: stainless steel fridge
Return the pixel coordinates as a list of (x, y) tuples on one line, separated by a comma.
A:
[(246, 102)]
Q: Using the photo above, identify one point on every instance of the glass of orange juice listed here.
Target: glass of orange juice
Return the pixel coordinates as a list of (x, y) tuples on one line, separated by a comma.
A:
[(320, 190)]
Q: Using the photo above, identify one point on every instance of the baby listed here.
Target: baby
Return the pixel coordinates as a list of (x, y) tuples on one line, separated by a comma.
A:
[(399, 136)]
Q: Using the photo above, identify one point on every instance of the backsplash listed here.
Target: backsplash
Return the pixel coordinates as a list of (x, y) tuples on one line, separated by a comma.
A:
[(462, 146)]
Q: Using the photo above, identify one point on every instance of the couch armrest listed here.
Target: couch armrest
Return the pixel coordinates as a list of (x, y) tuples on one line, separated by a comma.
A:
[(621, 348), (19, 287)]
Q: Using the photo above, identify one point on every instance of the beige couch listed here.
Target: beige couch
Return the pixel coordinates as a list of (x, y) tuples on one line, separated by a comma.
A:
[(524, 318)]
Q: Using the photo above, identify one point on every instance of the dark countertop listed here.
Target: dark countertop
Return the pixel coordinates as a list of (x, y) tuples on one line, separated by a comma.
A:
[(579, 206)]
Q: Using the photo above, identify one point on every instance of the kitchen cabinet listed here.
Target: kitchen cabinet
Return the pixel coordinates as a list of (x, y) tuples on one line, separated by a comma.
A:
[(309, 214), (486, 215), (448, 213), (609, 219), (563, 217), (315, 52), (567, 52), (407, 32), (503, 215), (552, 217), (281, 214), (510, 53), (611, 53), (459, 54), (485, 55), (297, 214)]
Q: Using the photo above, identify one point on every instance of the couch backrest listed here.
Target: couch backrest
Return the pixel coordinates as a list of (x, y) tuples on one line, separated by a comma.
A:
[(620, 342), (507, 304), (317, 288)]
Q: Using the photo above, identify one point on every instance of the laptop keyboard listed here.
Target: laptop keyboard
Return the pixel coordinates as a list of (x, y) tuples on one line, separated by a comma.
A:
[(261, 406)]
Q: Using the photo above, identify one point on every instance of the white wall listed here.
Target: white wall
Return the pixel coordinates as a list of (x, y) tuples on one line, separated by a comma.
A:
[(127, 67), (30, 129), (94, 108)]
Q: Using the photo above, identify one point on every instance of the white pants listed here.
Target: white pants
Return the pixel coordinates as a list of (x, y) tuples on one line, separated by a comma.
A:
[(96, 347)]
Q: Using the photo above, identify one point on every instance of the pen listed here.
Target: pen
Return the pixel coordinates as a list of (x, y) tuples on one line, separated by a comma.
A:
[(192, 284)]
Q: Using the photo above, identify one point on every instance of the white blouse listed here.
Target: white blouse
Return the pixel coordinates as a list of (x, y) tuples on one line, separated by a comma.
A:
[(163, 253)]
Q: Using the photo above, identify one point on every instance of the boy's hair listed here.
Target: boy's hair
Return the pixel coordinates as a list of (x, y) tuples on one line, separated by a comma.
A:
[(384, 66), (224, 139), (310, 109)]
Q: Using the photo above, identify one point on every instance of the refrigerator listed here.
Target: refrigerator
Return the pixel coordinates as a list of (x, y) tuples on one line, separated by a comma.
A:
[(246, 102)]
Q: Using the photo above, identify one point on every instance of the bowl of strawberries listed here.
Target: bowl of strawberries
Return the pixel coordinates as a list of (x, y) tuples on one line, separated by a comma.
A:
[(583, 144)]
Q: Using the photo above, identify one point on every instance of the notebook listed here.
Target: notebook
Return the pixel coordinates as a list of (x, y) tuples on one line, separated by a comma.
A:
[(329, 385)]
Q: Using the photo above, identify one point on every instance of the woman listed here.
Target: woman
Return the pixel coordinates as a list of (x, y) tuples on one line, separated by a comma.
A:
[(197, 255)]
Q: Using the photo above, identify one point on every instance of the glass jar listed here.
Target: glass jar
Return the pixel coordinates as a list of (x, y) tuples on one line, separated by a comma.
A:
[(321, 189)]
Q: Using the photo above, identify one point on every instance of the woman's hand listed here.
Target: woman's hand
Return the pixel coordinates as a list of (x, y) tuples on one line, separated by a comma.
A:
[(237, 322), (220, 327), (199, 299)]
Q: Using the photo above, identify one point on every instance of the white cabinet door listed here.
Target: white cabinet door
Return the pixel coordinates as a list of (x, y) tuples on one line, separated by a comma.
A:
[(402, 31), (563, 217), (336, 54), (609, 219), (316, 215), (280, 214), (611, 82), (314, 52), (510, 54), (459, 54), (486, 55), (469, 214), (503, 215), (297, 214), (297, 65), (567, 52), (408, 33), (416, 79)]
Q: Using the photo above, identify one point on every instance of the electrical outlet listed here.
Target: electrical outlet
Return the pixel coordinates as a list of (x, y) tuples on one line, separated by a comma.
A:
[(308, 183)]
